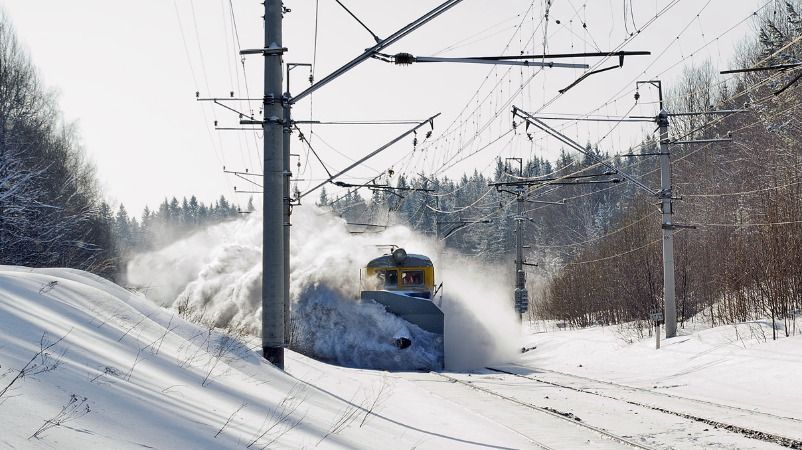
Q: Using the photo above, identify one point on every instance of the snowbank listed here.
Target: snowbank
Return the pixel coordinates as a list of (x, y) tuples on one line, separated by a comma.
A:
[(123, 373), (737, 365)]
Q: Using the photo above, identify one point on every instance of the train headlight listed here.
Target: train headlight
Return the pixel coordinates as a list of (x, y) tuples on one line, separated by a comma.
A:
[(399, 256)]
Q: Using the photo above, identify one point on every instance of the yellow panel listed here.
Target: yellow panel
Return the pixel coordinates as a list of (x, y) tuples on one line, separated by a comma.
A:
[(369, 273)]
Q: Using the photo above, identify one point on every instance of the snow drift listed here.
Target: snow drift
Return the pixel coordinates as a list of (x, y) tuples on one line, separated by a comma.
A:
[(217, 275), (86, 364)]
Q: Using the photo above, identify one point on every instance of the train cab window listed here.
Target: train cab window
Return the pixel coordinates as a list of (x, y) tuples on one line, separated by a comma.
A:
[(412, 277), (387, 277)]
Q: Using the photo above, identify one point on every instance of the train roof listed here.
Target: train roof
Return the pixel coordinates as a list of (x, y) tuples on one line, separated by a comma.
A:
[(411, 261)]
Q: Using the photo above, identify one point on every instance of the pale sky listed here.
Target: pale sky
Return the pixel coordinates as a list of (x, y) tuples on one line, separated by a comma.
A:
[(127, 72)]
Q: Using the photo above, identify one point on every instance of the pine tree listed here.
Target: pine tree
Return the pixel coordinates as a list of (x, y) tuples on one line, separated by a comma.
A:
[(175, 211), (164, 212), (203, 214), (194, 208), (187, 218), (122, 228)]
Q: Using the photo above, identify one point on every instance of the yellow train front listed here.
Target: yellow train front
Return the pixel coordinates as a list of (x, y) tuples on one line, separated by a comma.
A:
[(405, 285)]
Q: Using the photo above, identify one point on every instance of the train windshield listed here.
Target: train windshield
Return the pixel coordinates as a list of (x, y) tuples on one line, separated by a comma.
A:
[(387, 277), (412, 277)]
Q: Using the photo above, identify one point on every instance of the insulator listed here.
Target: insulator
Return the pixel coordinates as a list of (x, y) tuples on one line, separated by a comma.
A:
[(521, 300), (404, 59)]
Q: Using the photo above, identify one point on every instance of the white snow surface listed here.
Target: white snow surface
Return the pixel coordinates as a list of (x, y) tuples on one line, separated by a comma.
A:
[(141, 370), (146, 378), (738, 365)]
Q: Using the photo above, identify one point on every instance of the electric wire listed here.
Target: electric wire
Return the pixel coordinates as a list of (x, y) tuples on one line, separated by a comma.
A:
[(216, 150)]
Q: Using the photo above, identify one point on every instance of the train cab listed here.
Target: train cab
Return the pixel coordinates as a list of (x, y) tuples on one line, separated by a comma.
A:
[(410, 274)]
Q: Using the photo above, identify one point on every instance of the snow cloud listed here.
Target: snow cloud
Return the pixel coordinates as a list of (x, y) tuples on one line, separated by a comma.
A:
[(217, 274)]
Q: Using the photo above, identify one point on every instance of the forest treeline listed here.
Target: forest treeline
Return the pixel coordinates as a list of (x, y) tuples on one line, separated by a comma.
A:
[(52, 211), (49, 196), (171, 221), (601, 253), (743, 261)]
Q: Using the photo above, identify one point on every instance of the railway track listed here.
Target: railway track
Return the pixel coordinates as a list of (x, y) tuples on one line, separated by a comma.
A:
[(798, 422), (770, 437), (569, 418)]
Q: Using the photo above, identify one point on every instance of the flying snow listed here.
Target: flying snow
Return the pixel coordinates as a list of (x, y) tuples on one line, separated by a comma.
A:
[(216, 275)]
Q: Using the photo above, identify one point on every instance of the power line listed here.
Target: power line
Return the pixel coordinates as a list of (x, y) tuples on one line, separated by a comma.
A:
[(375, 37)]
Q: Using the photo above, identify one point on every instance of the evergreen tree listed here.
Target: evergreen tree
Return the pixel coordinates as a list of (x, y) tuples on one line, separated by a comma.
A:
[(122, 227), (175, 211), (187, 217)]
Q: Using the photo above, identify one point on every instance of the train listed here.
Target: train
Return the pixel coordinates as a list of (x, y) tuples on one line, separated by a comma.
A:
[(405, 284)]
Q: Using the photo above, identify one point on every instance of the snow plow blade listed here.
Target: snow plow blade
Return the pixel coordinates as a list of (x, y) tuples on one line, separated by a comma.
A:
[(418, 311)]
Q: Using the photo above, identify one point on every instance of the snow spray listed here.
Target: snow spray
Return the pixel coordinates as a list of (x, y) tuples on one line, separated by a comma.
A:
[(216, 274)]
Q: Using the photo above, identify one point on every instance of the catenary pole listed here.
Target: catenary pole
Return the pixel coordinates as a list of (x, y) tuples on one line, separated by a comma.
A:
[(273, 251), (666, 193), (287, 130), (521, 295), (666, 196)]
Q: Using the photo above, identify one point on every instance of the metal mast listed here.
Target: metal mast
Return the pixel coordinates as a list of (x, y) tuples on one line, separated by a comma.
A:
[(665, 194), (667, 226), (521, 294), (273, 209)]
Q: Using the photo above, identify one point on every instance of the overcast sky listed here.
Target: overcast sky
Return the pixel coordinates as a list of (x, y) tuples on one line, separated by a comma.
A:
[(127, 72)]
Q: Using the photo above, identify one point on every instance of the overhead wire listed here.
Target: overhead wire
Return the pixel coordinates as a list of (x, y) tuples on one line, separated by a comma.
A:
[(216, 150), (644, 175), (245, 81), (711, 41), (229, 53)]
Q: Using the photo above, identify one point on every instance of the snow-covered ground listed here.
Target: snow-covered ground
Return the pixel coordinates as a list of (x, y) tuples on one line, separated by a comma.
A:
[(737, 365), (125, 373)]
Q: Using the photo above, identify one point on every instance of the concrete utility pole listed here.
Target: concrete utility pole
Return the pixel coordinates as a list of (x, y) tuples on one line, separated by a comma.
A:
[(667, 209), (665, 194), (273, 202), (521, 299), (287, 130), (521, 294)]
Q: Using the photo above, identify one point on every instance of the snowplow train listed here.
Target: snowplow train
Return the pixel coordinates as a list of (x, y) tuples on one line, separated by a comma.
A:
[(405, 285)]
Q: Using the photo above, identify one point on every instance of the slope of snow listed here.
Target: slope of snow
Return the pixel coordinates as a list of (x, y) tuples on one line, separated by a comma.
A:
[(736, 365), (129, 374), (123, 373)]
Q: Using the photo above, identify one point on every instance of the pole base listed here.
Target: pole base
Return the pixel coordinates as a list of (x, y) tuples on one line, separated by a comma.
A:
[(274, 355)]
